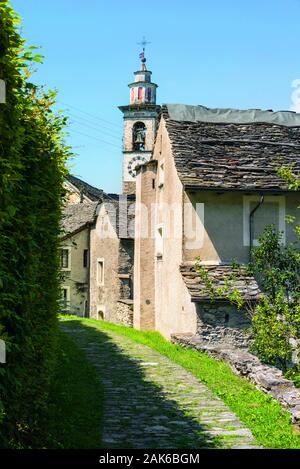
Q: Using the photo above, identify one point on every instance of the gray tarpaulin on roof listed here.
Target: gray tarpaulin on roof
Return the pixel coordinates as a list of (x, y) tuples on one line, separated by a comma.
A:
[(184, 112)]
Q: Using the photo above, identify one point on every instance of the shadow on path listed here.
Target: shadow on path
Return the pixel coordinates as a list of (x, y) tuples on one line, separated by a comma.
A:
[(137, 412)]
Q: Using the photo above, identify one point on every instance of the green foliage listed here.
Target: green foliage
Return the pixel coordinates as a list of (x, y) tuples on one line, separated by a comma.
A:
[(288, 175), (277, 265), (32, 170), (271, 332), (294, 375), (293, 181), (277, 318), (226, 291), (76, 400)]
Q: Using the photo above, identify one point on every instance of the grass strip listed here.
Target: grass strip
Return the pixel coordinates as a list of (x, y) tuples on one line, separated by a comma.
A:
[(76, 399), (269, 422)]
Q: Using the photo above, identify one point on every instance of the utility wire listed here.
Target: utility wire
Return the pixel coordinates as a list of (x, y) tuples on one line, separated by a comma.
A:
[(95, 138), (100, 126), (95, 128), (89, 114)]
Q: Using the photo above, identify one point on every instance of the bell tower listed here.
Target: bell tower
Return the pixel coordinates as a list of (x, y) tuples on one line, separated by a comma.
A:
[(140, 123)]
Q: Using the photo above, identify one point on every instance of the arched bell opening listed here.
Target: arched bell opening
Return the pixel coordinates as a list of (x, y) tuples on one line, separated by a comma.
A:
[(139, 136)]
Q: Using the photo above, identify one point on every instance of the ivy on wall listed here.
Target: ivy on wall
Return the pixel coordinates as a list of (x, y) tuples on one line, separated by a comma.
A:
[(32, 171)]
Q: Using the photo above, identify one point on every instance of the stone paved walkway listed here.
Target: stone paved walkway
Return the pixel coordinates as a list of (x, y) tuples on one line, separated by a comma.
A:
[(150, 402)]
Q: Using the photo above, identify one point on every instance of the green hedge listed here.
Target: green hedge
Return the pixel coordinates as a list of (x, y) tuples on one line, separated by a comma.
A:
[(32, 171)]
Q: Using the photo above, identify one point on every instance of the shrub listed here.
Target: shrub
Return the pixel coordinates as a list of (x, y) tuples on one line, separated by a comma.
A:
[(32, 171)]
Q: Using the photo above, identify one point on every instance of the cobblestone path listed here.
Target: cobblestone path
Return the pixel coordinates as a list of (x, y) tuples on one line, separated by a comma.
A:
[(151, 402)]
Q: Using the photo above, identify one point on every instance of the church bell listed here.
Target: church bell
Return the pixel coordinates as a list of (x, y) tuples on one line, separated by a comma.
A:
[(139, 138)]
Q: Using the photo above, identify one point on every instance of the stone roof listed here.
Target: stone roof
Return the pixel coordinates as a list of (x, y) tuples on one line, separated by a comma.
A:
[(78, 216), (232, 156), (86, 189), (244, 283), (120, 209)]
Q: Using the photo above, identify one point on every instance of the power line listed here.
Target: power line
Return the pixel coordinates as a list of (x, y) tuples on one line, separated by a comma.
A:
[(101, 126), (89, 114), (95, 138), (95, 128)]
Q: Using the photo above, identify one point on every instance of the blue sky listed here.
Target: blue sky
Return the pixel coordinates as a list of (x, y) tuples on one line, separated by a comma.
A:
[(233, 53)]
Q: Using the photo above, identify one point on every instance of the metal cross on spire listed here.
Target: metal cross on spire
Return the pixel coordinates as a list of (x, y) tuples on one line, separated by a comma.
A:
[(143, 43)]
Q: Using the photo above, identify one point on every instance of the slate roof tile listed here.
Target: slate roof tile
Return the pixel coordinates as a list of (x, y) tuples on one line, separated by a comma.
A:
[(244, 283), (232, 156)]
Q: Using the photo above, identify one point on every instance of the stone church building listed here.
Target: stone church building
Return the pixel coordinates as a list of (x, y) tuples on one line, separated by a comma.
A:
[(197, 183)]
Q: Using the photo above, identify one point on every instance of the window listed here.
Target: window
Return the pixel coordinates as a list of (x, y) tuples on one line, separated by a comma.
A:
[(126, 290), (66, 258), (65, 298), (85, 309), (100, 313), (161, 174), (140, 93), (85, 258), (100, 272), (149, 95), (159, 241), (271, 212)]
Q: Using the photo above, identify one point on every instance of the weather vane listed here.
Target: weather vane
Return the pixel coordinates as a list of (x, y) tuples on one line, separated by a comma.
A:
[(143, 43)]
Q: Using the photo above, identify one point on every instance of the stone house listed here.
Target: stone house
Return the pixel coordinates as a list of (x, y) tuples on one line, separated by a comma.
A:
[(98, 240), (78, 222), (112, 253), (97, 253), (205, 185), (209, 190)]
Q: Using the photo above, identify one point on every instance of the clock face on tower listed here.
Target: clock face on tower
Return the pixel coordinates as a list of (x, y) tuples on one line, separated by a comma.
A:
[(134, 162)]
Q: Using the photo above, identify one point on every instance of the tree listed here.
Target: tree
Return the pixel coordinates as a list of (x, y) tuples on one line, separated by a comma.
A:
[(32, 171)]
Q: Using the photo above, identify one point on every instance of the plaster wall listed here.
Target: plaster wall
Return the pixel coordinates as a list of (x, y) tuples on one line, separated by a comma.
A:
[(222, 223), (104, 247), (76, 279)]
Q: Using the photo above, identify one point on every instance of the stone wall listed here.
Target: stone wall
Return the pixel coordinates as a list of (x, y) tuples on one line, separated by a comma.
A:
[(104, 247), (223, 323), (124, 312), (144, 274), (266, 378), (126, 255), (128, 187)]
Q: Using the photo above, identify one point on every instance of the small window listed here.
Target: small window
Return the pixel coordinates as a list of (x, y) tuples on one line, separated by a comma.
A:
[(65, 298), (101, 312), (149, 95), (85, 258), (65, 259), (85, 309), (159, 241), (100, 315), (126, 288), (140, 93), (100, 272), (161, 174)]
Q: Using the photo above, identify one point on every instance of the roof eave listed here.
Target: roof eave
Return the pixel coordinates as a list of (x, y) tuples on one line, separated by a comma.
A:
[(195, 188), (78, 230), (196, 299)]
